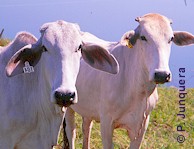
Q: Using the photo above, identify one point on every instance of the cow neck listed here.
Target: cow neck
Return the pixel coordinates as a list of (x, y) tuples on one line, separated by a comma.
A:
[(136, 81), (132, 69)]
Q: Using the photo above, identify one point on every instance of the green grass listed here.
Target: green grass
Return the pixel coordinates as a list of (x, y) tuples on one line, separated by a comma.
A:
[(162, 130), (4, 42)]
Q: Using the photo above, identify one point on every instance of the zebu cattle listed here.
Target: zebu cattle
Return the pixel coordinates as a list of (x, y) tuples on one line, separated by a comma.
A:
[(125, 100), (35, 76)]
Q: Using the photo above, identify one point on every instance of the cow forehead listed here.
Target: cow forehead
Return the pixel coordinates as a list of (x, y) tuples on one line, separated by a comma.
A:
[(156, 24), (61, 33), (155, 18)]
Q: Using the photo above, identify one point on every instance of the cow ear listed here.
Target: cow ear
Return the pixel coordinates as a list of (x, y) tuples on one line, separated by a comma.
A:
[(99, 58), (28, 55), (129, 39), (183, 38)]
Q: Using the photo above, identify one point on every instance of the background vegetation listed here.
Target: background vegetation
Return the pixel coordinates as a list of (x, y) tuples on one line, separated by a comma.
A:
[(4, 41), (162, 130)]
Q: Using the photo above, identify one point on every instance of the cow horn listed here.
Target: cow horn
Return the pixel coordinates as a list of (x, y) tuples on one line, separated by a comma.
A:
[(138, 19)]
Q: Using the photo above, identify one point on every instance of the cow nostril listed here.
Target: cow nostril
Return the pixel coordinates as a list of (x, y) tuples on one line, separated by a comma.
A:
[(168, 77), (58, 95), (72, 96)]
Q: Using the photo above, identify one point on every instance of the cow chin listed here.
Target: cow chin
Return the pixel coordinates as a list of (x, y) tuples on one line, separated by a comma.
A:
[(64, 98)]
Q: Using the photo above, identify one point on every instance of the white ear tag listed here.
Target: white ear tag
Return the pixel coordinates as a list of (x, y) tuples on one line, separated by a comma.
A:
[(27, 68)]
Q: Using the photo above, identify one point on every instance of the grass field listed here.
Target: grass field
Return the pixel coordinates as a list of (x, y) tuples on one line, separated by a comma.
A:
[(162, 130), (4, 42)]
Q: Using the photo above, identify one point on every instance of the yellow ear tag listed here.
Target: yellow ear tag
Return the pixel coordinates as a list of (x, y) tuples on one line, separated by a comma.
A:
[(128, 44)]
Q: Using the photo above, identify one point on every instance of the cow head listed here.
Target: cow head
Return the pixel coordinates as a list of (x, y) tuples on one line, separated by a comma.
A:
[(153, 38), (58, 53)]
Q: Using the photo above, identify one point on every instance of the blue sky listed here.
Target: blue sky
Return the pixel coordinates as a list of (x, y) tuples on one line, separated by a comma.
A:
[(107, 19)]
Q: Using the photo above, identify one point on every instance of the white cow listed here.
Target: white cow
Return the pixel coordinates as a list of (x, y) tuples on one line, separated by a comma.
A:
[(29, 116), (125, 100)]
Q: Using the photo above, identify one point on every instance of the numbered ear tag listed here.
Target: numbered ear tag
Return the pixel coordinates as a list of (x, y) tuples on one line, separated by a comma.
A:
[(128, 44), (27, 68)]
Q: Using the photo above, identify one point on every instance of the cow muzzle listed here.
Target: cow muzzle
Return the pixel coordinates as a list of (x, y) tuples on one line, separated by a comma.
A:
[(65, 98), (161, 77)]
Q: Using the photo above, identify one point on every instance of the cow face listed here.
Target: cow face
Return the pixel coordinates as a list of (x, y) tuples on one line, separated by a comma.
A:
[(61, 60), (155, 35), (58, 52), (153, 38)]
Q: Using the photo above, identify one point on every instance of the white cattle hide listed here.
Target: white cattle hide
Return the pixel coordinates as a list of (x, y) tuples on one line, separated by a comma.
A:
[(30, 117), (125, 100)]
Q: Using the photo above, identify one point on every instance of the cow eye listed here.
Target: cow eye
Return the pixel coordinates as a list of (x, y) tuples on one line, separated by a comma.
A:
[(44, 49), (171, 39), (143, 38), (79, 48)]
